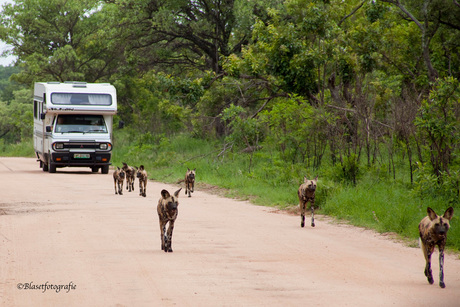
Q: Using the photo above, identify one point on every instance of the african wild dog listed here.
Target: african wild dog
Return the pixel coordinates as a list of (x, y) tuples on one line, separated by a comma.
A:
[(167, 212), (130, 176), (118, 178), (306, 194), (433, 231), (189, 181), (142, 177)]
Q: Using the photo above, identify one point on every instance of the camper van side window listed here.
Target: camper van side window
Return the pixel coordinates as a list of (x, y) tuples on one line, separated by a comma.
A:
[(35, 109)]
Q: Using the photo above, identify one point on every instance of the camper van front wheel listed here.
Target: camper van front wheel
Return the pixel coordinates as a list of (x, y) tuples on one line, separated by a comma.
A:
[(105, 169), (51, 166)]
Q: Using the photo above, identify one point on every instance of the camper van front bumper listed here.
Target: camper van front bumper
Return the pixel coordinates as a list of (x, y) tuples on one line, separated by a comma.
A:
[(83, 158)]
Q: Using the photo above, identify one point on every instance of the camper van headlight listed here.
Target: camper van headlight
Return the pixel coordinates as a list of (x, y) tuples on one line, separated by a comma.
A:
[(105, 146), (57, 146)]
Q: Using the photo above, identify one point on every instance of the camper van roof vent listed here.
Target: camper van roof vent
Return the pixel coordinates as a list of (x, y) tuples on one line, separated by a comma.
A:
[(76, 83)]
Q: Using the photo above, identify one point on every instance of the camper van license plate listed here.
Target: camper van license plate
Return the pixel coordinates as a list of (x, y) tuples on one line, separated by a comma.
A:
[(81, 156)]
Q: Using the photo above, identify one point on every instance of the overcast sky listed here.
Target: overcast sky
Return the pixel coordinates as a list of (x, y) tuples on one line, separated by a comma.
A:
[(8, 60)]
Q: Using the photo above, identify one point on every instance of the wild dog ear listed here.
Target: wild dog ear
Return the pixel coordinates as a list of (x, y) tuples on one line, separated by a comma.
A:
[(188, 169), (177, 192), (305, 179), (431, 214), (316, 178), (449, 213), (165, 194), (194, 169)]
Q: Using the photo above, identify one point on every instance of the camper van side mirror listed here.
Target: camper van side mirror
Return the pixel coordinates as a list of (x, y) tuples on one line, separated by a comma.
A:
[(42, 116), (48, 128)]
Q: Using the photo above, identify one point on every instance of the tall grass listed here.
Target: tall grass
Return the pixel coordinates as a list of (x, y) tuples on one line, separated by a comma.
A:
[(22, 149)]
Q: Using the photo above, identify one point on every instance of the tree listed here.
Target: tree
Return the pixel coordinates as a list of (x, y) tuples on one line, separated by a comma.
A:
[(439, 119), (60, 40), (439, 23), (181, 32)]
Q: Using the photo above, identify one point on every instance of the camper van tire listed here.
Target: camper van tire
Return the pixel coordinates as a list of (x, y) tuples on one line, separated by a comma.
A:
[(51, 166)]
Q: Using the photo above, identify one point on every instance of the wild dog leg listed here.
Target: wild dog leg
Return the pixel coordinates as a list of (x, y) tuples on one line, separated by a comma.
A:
[(163, 236), (428, 272), (441, 268), (168, 247), (302, 214), (312, 216)]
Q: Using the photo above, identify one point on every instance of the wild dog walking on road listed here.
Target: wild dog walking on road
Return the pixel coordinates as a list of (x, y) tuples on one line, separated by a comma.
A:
[(142, 177), (118, 178), (189, 181), (433, 231), (306, 194), (167, 212), (130, 176)]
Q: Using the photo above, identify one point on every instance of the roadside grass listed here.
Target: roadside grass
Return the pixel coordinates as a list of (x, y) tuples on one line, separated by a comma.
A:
[(23, 149), (388, 207)]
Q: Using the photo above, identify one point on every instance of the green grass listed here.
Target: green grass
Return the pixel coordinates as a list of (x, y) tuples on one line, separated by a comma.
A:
[(388, 207), (23, 149)]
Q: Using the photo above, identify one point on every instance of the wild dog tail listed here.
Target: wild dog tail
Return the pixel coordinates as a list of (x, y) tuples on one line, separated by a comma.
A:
[(180, 181)]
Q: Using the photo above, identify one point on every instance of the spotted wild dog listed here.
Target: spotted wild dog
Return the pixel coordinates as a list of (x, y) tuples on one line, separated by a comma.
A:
[(118, 178), (433, 231), (189, 181), (130, 176), (306, 194), (142, 177), (167, 212)]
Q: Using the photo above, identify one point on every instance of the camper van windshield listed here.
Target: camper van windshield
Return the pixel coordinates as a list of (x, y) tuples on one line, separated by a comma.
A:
[(80, 124), (81, 99)]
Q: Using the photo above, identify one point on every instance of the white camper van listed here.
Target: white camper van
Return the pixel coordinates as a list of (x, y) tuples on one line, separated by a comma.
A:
[(73, 124)]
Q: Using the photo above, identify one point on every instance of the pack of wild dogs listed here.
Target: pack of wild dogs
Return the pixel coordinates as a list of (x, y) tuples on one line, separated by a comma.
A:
[(129, 173), (433, 228)]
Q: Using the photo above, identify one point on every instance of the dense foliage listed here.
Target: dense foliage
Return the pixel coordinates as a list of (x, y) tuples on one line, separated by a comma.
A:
[(342, 88)]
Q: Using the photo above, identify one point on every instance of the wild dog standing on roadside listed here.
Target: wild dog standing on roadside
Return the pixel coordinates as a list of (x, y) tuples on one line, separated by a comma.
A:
[(130, 176), (118, 178), (189, 181), (167, 212), (433, 231), (142, 177), (306, 194)]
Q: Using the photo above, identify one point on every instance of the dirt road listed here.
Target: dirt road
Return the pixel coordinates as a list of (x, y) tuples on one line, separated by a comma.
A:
[(66, 239)]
